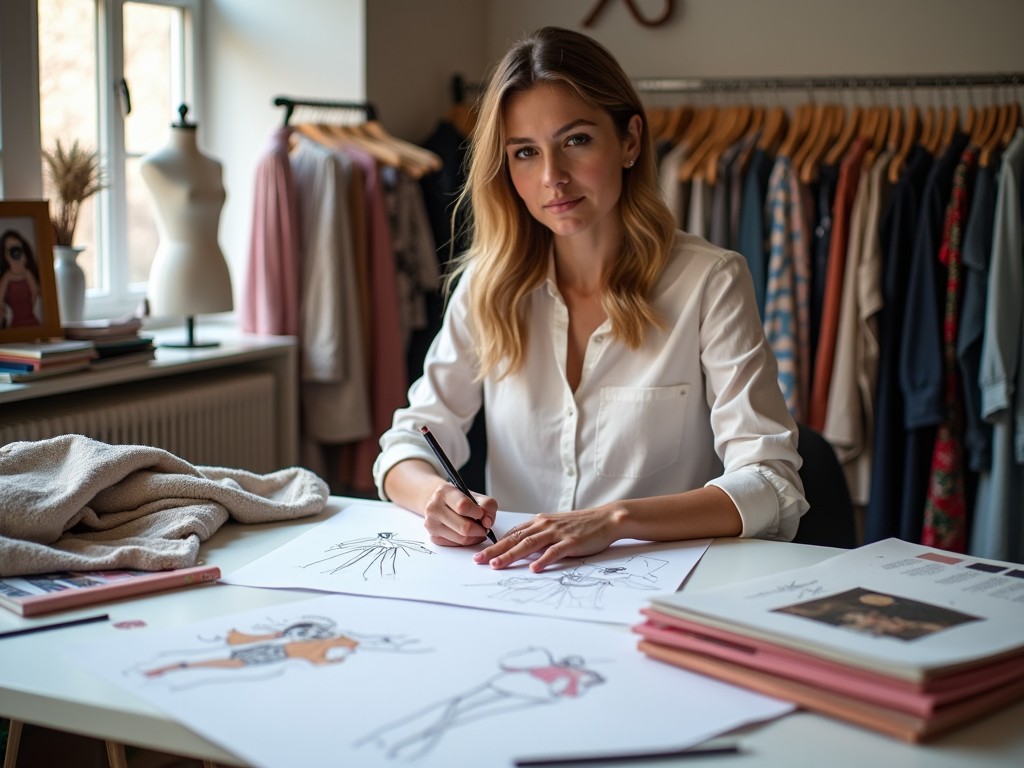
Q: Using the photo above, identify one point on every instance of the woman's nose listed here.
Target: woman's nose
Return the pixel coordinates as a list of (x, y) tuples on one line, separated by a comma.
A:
[(554, 174)]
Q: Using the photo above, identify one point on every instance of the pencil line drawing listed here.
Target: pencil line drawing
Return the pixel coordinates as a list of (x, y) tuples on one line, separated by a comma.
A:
[(315, 641), (582, 586), (526, 678), (379, 553)]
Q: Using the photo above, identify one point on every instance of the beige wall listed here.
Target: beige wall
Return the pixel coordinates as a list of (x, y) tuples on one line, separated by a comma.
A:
[(709, 38), (401, 55)]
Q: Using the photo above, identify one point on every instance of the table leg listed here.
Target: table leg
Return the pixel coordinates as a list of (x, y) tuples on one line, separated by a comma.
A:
[(13, 741)]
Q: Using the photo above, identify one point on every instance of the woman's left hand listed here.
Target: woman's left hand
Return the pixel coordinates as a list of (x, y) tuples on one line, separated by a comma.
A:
[(555, 536)]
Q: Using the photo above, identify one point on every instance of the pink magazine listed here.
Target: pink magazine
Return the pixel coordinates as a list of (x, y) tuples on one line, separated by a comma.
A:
[(856, 682)]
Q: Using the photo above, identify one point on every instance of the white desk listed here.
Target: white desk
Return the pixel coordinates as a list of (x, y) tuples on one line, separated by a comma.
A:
[(38, 686)]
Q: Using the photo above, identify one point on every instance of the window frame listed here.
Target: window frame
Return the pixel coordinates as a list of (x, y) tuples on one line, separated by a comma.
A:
[(20, 137)]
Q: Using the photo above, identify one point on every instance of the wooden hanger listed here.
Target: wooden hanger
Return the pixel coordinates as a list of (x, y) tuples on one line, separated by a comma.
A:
[(696, 137), (838, 149), (723, 119), (775, 124), (678, 118), (950, 125), (657, 119), (797, 128), (892, 141), (421, 161), (878, 136), (1012, 123), (990, 143), (821, 120), (731, 133), (750, 139), (811, 162), (910, 135), (928, 130)]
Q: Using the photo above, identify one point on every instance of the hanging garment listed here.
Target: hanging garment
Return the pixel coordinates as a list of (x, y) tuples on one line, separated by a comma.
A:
[(998, 528), (921, 344), (945, 512), (788, 284), (824, 353), (335, 396), (752, 237), (270, 301), (896, 229), (821, 241), (977, 252), (850, 414)]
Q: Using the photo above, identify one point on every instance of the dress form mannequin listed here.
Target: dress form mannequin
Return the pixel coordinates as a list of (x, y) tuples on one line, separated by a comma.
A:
[(189, 275)]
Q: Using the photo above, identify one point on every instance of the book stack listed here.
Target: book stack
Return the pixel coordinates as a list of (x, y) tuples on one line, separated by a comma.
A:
[(117, 342), (28, 361), (903, 639)]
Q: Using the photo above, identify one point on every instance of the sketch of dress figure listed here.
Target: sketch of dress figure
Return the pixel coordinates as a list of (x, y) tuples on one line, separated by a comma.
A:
[(315, 642), (584, 585), (526, 678), (381, 550)]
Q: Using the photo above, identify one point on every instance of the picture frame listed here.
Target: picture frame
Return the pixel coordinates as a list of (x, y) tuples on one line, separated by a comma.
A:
[(28, 288)]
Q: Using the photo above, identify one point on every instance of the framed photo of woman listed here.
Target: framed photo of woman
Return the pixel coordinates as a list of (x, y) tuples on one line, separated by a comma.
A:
[(28, 291)]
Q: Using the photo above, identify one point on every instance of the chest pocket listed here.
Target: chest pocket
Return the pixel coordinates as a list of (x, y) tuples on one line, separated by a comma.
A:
[(639, 429)]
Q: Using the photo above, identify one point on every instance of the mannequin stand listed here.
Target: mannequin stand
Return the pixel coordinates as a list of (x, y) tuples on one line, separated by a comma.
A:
[(190, 338)]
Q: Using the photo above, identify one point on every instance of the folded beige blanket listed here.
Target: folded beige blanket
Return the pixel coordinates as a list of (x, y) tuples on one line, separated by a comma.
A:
[(74, 503)]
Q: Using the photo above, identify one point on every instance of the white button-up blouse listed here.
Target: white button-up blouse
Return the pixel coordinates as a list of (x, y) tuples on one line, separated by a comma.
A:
[(697, 404)]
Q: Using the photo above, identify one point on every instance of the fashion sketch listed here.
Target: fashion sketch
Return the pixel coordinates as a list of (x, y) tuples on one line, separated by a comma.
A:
[(313, 641), (526, 678), (378, 554), (584, 585)]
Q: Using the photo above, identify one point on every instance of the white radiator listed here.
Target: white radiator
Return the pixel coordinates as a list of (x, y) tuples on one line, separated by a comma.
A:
[(213, 419)]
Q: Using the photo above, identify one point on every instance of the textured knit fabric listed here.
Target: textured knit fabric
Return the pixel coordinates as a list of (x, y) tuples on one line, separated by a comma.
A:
[(945, 512), (73, 503)]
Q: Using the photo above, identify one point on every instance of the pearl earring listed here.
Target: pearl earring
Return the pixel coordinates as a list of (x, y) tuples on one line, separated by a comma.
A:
[(629, 164)]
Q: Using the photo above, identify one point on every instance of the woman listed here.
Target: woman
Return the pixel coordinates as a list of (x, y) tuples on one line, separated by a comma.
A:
[(628, 388), (19, 282)]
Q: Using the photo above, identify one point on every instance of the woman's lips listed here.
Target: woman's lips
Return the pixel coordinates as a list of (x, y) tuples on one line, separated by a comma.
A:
[(561, 206)]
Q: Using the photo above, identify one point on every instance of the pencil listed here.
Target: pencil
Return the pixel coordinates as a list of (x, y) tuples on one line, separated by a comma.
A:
[(54, 625), (453, 476)]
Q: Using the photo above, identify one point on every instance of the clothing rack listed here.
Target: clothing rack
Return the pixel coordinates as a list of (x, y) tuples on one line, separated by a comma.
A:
[(834, 82), (366, 109)]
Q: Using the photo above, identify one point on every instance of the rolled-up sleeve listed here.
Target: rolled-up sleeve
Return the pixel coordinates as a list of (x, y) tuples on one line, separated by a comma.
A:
[(755, 435)]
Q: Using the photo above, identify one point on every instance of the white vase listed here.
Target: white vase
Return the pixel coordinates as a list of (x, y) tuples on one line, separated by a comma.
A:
[(70, 281)]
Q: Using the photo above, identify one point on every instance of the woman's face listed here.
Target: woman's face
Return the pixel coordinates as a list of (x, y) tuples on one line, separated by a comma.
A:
[(15, 255), (566, 159)]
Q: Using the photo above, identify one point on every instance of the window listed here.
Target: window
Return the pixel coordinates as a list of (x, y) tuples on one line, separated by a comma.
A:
[(112, 74)]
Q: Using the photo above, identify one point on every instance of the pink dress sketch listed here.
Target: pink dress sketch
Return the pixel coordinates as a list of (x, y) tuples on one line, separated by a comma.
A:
[(526, 678), (378, 554)]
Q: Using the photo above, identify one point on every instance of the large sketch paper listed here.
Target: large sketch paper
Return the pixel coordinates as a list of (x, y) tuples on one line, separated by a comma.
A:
[(898, 608), (384, 551), (343, 680)]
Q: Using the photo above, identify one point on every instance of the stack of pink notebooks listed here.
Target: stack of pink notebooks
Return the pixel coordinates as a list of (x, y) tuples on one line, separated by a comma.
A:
[(902, 639)]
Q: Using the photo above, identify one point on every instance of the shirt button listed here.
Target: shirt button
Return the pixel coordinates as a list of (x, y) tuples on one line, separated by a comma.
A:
[(571, 471)]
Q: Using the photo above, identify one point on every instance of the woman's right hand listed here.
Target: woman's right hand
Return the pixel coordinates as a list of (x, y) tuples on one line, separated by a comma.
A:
[(452, 520)]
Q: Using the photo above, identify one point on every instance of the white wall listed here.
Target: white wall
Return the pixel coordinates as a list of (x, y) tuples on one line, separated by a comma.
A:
[(404, 59), (255, 50)]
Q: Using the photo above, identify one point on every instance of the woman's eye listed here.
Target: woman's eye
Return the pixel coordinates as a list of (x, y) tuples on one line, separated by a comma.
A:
[(524, 152), (577, 139)]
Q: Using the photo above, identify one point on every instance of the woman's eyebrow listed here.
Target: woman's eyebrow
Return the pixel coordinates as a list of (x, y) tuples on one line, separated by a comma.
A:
[(572, 124)]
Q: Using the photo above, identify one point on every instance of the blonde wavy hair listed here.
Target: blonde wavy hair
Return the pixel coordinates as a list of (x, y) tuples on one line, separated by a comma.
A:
[(509, 249)]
